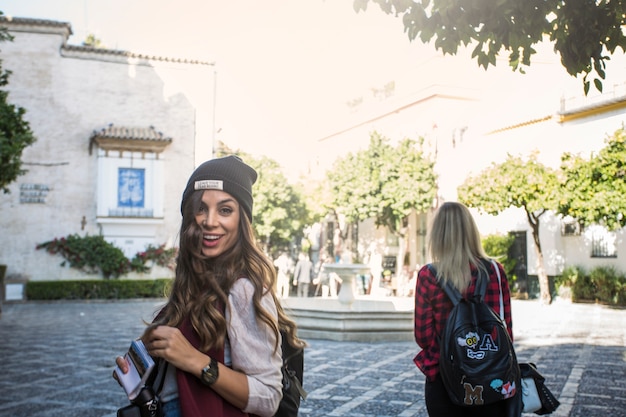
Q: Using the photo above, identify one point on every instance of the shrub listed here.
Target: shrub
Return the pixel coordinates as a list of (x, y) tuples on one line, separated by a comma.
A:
[(157, 254), (569, 276), (93, 254), (497, 247), (96, 289), (608, 283), (604, 284), (90, 254)]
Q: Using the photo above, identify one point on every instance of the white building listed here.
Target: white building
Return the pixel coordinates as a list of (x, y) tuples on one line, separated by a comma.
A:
[(118, 134), (471, 118)]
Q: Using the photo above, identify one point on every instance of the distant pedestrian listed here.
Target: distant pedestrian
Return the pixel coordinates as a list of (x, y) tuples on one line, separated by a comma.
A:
[(302, 274), (284, 264)]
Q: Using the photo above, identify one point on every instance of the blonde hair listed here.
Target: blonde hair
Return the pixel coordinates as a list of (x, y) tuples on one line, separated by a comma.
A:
[(454, 244)]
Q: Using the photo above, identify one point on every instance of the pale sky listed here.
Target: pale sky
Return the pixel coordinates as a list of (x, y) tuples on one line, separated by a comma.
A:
[(285, 68)]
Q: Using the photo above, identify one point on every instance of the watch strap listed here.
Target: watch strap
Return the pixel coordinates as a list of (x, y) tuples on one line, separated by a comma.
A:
[(209, 373)]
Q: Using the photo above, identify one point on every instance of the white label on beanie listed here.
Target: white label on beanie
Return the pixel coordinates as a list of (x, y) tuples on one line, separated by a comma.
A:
[(209, 185)]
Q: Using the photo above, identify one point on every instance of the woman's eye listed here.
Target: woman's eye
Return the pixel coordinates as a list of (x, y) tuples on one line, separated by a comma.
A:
[(226, 210)]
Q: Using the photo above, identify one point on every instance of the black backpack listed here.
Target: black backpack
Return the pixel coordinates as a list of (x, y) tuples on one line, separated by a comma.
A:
[(293, 372), (477, 361)]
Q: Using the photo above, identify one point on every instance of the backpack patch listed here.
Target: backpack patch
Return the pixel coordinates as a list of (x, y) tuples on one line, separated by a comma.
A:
[(477, 361)]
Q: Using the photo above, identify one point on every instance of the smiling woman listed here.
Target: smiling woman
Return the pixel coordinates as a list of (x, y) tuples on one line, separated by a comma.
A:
[(221, 327)]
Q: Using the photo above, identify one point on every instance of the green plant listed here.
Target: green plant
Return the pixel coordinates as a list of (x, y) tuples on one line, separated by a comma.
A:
[(93, 254), (90, 254), (569, 276), (96, 289), (15, 132), (157, 254), (608, 283), (498, 246)]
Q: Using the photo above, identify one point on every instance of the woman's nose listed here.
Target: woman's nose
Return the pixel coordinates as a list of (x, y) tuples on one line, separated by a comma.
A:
[(209, 218)]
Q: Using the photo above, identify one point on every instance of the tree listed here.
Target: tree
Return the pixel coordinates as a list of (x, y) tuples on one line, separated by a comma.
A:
[(583, 31), (92, 41), (15, 133), (516, 183), (280, 214), (594, 190), (384, 183)]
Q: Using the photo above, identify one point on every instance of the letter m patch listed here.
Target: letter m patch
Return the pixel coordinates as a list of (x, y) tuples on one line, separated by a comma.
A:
[(473, 395)]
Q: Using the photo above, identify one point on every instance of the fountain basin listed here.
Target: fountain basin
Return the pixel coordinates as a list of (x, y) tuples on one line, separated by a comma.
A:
[(364, 320), (347, 273)]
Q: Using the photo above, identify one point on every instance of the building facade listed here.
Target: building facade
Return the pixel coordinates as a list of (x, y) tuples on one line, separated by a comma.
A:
[(117, 133)]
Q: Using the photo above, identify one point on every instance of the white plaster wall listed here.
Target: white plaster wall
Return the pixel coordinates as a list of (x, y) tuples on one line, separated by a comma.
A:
[(67, 98)]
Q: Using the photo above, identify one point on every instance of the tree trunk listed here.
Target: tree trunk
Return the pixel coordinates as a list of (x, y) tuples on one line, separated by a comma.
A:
[(544, 285)]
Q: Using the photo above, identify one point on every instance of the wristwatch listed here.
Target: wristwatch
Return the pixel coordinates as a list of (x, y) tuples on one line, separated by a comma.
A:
[(209, 373)]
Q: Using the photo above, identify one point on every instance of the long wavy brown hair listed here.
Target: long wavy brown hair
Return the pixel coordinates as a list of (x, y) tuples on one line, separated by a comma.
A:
[(201, 285)]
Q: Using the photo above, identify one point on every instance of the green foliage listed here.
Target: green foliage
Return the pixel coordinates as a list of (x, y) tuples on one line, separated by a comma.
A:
[(93, 254), (92, 41), (96, 289), (159, 255), (280, 213), (569, 276), (15, 133), (498, 247), (526, 184), (383, 182), (594, 190), (89, 253), (610, 285), (516, 183), (603, 284), (584, 33)]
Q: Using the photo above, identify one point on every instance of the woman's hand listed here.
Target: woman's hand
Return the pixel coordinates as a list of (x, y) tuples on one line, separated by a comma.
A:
[(169, 343), (121, 363)]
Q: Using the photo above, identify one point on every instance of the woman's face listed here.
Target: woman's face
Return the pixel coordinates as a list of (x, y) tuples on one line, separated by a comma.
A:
[(218, 217)]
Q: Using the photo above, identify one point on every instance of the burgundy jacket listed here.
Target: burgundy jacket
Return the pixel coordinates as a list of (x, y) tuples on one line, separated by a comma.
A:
[(196, 399)]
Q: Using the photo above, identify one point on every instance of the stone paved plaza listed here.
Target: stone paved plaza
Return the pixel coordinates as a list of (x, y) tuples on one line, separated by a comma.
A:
[(57, 359)]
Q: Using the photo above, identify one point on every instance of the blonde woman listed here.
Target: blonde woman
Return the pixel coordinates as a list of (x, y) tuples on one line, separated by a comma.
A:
[(457, 256)]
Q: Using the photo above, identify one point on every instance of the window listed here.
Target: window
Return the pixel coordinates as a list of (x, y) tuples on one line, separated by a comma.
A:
[(570, 227), (130, 185), (603, 243)]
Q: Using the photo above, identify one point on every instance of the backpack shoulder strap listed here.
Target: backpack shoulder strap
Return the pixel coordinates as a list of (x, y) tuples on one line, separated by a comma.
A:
[(481, 281), (453, 294)]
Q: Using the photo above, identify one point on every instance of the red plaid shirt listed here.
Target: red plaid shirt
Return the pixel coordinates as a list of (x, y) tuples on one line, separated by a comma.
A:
[(432, 308)]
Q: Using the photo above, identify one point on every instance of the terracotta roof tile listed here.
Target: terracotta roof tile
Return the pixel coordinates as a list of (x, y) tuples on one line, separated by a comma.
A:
[(35, 22), (80, 49), (131, 133)]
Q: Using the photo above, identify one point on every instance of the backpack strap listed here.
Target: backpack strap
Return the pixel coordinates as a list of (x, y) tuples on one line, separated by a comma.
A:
[(481, 282), (453, 294), (479, 291), (500, 289), (497, 270)]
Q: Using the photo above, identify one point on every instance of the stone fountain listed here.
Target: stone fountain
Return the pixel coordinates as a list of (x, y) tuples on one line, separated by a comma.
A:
[(350, 317)]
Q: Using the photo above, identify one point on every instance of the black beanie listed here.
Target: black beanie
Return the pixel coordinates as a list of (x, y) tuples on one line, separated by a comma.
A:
[(229, 174)]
